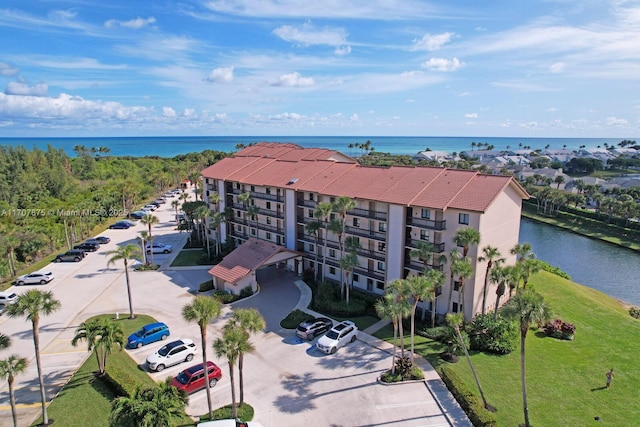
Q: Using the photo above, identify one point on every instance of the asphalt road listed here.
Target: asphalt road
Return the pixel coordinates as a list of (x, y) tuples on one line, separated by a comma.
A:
[(287, 381)]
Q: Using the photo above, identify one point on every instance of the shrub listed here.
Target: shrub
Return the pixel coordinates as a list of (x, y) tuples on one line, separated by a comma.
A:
[(206, 286), (294, 318), (245, 292), (225, 297), (327, 300), (635, 312), (437, 334), (470, 403), (559, 329), (498, 336)]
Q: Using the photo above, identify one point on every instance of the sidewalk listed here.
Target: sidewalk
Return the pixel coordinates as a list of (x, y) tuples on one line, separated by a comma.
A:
[(445, 400)]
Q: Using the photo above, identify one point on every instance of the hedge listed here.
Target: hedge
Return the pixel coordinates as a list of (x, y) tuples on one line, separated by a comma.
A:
[(469, 402)]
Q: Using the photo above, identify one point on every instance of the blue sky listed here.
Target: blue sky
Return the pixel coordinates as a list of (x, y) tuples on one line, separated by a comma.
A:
[(551, 68)]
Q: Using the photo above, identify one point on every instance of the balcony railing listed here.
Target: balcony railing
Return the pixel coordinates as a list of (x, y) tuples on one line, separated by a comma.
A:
[(427, 223), (413, 243), (265, 196), (419, 266), (378, 235), (271, 213), (359, 270), (366, 213), (307, 203)]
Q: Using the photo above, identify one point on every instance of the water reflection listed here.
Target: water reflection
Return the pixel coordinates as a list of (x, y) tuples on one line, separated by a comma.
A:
[(608, 268)]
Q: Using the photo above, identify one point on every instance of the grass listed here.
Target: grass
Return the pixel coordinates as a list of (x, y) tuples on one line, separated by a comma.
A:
[(565, 379), (188, 258)]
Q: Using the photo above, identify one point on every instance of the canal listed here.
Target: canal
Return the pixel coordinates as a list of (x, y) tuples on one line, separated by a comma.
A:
[(599, 265)]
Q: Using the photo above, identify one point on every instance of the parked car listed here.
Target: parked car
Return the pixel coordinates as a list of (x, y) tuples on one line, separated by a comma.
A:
[(341, 334), (150, 206), (87, 246), (103, 240), (139, 214), (120, 225), (72, 255), (309, 329), (39, 277), (160, 201), (8, 297), (193, 378), (159, 248), (147, 334), (171, 354)]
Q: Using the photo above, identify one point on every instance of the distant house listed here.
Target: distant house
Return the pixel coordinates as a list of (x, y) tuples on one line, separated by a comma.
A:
[(434, 156)]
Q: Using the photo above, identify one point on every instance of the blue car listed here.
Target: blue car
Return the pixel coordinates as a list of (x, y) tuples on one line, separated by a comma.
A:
[(120, 225), (147, 334)]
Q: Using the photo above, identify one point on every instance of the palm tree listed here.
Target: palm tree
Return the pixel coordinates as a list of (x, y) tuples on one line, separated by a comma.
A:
[(385, 309), (216, 220), (5, 341), (454, 256), (455, 320), (202, 213), (125, 253), (229, 346), (465, 237), (491, 255), (522, 251), (423, 252), (419, 287), (250, 321), (203, 310), (499, 275), (342, 205), (463, 269), (33, 304), (347, 264), (143, 243), (399, 291), (323, 213), (9, 368), (101, 335), (175, 204), (150, 220), (313, 229), (157, 406), (526, 308)]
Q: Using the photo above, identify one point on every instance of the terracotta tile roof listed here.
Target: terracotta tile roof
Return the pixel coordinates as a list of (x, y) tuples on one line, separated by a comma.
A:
[(429, 187), (292, 152), (249, 256)]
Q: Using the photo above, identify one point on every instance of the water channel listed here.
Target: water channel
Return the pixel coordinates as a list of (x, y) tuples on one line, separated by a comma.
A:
[(599, 265)]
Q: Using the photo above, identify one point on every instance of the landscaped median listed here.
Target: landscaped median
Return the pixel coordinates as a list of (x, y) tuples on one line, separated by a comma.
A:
[(565, 379)]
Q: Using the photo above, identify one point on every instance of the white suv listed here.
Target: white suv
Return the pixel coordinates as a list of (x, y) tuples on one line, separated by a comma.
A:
[(8, 297), (171, 354), (159, 248), (39, 277), (341, 334)]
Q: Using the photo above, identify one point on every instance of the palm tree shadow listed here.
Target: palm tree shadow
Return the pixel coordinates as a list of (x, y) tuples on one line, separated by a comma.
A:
[(599, 388)]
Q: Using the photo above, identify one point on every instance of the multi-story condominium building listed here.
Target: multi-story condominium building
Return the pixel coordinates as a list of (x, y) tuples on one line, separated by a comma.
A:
[(395, 209)]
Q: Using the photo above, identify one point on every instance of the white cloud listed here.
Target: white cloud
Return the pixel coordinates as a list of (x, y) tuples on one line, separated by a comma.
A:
[(16, 88), (168, 112), (471, 115), (134, 24), (443, 64), (354, 117), (431, 42), (293, 80), (221, 75), (7, 70), (614, 121), (342, 50), (558, 67)]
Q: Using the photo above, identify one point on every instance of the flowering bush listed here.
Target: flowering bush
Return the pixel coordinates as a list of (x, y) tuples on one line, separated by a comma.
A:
[(560, 329), (635, 312)]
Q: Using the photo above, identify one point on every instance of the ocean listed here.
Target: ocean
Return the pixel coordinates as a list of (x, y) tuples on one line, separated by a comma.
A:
[(169, 146)]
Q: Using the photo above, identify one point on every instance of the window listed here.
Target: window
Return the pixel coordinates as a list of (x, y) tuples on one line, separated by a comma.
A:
[(382, 246), (463, 219), (332, 270), (382, 227), (310, 196), (278, 239), (332, 199), (356, 222), (253, 231), (332, 253), (253, 202), (424, 235), (253, 188), (381, 266), (454, 307), (311, 248), (380, 285), (268, 220), (456, 285), (238, 185), (369, 284), (268, 236), (425, 214), (355, 277), (268, 190), (310, 213), (268, 205), (332, 217), (238, 214)]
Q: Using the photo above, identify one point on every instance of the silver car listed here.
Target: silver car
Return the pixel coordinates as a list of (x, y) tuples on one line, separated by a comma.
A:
[(171, 354), (38, 277), (341, 334)]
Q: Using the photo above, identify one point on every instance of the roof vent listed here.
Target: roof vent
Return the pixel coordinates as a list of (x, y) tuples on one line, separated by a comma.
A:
[(292, 181)]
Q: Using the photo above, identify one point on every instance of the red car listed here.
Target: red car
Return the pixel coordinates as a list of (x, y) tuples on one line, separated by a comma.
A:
[(192, 379)]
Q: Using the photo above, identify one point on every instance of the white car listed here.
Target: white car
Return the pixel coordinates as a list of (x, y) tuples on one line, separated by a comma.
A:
[(159, 248), (149, 208), (171, 354), (38, 277), (338, 336), (8, 297)]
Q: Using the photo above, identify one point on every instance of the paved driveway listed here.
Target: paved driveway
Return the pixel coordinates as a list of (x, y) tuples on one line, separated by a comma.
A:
[(287, 381)]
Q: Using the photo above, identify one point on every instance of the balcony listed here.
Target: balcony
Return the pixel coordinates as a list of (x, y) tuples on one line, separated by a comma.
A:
[(307, 203), (413, 244), (366, 213), (359, 270), (370, 234), (427, 223), (270, 228), (265, 196), (271, 213), (419, 266)]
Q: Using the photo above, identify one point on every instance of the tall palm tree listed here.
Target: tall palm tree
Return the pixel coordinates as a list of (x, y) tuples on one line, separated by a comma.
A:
[(423, 252), (342, 205), (492, 256), (125, 253), (9, 368), (313, 229), (252, 214), (463, 269), (419, 287), (33, 304), (499, 276), (526, 308), (157, 406), (250, 321), (465, 237), (399, 291), (522, 251), (454, 256), (203, 310), (347, 264), (323, 213), (528, 267), (229, 346), (202, 213), (150, 220), (175, 204), (102, 335), (455, 320), (142, 237), (216, 221), (385, 309)]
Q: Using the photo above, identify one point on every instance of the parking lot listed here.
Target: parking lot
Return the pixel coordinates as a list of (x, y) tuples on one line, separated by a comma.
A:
[(287, 381)]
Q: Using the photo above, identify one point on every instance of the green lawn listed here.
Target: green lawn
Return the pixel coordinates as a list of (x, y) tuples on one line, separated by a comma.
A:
[(565, 378), (187, 258)]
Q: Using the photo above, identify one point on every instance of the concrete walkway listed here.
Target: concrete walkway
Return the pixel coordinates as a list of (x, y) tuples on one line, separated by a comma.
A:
[(445, 400)]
